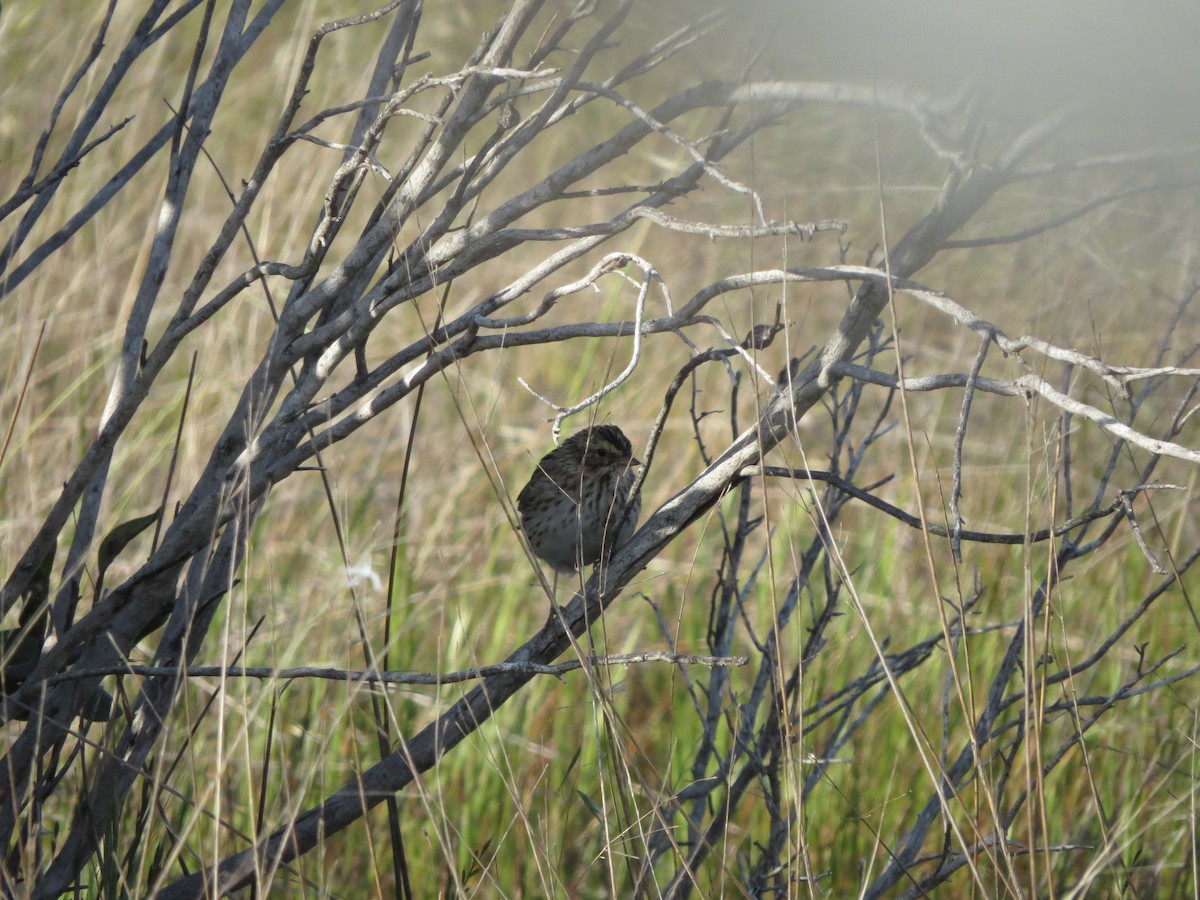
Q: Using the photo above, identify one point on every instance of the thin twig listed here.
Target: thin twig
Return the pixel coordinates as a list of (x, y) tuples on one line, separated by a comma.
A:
[(360, 676)]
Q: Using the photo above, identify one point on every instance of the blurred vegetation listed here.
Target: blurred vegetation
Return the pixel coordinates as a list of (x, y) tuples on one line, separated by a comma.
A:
[(514, 811)]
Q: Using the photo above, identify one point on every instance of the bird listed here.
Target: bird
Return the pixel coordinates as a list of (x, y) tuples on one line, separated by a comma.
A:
[(579, 503)]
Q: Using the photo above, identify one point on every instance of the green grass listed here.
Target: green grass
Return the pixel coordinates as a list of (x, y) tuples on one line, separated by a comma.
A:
[(554, 792)]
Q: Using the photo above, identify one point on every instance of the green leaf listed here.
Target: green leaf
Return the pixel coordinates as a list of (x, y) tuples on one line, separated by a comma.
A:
[(592, 805), (21, 647), (99, 706), (114, 542)]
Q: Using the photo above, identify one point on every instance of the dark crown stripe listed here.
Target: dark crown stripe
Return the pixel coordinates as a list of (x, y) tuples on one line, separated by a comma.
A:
[(614, 436)]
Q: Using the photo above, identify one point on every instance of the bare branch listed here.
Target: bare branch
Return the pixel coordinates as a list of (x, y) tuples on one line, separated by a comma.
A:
[(359, 676)]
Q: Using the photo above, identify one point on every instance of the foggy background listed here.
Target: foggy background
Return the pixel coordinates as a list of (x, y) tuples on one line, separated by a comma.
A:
[(1130, 70)]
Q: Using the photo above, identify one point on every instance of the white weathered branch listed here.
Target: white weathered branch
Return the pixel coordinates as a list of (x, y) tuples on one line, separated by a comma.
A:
[(1023, 386)]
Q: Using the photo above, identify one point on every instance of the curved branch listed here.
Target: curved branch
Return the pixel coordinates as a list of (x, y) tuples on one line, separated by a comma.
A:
[(384, 677)]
